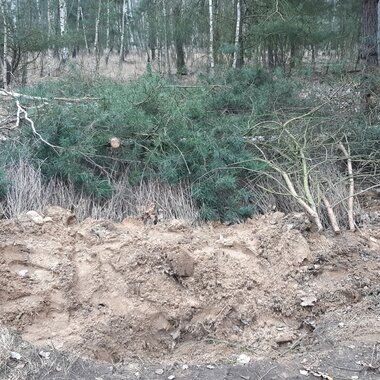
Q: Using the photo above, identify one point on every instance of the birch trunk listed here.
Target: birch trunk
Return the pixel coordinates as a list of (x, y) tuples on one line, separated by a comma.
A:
[(122, 34), (130, 32), (5, 46), (50, 18), (237, 34), (84, 31), (211, 42), (64, 53), (50, 23)]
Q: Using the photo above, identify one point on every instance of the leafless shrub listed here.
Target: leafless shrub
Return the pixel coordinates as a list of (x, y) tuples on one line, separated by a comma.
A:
[(270, 194), (29, 191), (26, 190)]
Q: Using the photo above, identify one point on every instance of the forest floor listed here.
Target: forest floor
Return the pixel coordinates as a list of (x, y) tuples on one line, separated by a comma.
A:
[(262, 300)]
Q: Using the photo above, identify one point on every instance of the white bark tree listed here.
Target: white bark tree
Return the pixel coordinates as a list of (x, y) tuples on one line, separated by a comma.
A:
[(97, 52), (84, 30), (64, 53), (237, 33), (5, 45), (211, 41), (50, 18)]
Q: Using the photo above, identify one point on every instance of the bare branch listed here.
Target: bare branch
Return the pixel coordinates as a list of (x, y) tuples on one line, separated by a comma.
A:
[(21, 110)]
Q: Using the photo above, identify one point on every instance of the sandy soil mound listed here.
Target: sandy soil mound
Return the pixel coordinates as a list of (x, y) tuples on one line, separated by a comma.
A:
[(188, 294)]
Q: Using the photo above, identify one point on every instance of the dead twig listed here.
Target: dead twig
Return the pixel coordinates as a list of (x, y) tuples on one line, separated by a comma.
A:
[(267, 373), (20, 111)]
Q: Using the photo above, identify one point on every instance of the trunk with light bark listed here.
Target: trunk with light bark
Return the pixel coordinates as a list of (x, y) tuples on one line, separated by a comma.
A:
[(237, 35), (64, 52)]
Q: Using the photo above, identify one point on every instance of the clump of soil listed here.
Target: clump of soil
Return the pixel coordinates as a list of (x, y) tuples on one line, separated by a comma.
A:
[(175, 293)]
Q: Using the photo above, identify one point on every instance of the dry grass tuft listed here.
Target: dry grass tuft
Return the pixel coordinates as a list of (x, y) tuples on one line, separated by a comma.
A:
[(28, 190)]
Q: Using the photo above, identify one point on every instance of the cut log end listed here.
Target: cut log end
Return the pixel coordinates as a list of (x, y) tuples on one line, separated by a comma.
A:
[(115, 143)]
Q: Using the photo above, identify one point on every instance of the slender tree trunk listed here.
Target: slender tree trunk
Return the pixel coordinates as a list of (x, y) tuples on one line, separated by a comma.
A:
[(51, 32), (64, 53), (270, 56), (122, 35), (167, 45), (369, 32), (50, 18), (240, 59), (24, 72), (178, 39), (152, 30), (211, 43), (131, 37), (96, 39), (42, 53), (108, 50), (84, 31), (237, 34), (5, 45), (76, 48)]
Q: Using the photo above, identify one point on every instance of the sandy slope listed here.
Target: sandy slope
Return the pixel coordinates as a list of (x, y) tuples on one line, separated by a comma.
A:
[(175, 293)]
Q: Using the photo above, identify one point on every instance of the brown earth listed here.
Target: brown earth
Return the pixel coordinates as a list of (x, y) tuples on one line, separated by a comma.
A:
[(174, 294)]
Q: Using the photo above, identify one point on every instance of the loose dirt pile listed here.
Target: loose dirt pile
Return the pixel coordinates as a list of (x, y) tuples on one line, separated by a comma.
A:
[(175, 293)]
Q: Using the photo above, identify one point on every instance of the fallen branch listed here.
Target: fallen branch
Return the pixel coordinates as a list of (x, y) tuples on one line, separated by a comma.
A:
[(17, 95), (20, 111)]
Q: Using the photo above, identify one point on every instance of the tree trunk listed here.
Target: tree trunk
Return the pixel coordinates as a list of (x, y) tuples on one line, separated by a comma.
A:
[(64, 53), (50, 18), (5, 46), (122, 35), (211, 43), (96, 39), (84, 31), (167, 44), (178, 39), (76, 48), (108, 50), (270, 56), (369, 32), (152, 32), (237, 34)]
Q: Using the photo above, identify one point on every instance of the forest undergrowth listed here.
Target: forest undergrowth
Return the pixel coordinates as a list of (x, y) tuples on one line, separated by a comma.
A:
[(221, 147)]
